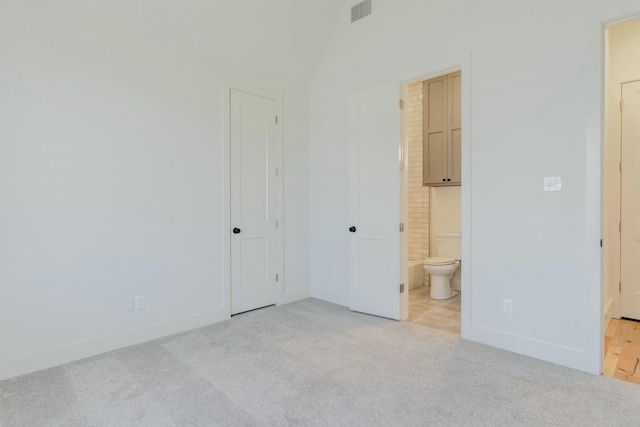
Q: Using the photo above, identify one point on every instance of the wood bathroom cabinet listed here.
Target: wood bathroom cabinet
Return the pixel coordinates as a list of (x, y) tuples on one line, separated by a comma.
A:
[(442, 123)]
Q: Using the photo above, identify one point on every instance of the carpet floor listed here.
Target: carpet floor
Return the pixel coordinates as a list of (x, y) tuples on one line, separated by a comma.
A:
[(312, 363)]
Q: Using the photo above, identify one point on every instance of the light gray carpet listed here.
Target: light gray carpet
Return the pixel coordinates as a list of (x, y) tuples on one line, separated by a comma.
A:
[(314, 363)]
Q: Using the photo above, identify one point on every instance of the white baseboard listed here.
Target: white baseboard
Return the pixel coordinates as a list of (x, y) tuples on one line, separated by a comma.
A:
[(550, 352), (295, 295), (330, 296), (608, 315), (28, 363)]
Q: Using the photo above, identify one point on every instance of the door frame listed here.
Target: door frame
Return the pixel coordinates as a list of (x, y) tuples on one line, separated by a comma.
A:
[(598, 159), (463, 64), (227, 86)]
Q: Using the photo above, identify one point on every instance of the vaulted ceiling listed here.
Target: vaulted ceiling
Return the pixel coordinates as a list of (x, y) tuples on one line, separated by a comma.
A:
[(284, 37)]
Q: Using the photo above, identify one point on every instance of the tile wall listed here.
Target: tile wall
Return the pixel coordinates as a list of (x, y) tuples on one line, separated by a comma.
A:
[(418, 227)]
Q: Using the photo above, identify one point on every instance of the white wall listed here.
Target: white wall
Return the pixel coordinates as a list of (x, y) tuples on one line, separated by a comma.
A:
[(623, 65), (111, 166), (446, 211), (535, 86)]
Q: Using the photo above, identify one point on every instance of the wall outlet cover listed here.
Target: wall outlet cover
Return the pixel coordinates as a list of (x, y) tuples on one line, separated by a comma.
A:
[(507, 306), (139, 302)]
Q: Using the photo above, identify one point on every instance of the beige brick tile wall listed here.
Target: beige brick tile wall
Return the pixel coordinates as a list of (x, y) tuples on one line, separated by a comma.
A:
[(418, 228)]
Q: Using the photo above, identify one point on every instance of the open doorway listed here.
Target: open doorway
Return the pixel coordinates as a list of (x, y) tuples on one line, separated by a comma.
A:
[(378, 248), (622, 201), (433, 140)]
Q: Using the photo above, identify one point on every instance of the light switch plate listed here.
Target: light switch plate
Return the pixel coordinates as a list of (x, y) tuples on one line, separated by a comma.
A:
[(552, 183)]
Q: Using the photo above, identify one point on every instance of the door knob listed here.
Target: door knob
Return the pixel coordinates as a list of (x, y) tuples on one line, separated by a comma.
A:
[(352, 229), (236, 230)]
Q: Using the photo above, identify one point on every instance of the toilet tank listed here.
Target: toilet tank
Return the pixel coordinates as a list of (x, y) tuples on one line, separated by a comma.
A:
[(449, 245)]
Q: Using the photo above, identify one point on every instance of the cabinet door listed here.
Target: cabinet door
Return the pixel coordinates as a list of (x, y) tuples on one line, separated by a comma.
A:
[(454, 160), (435, 135)]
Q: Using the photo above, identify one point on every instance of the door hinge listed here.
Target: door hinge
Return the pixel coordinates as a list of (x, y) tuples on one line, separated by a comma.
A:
[(277, 225), (401, 227), (620, 105), (276, 277), (276, 119), (600, 242), (401, 104), (619, 286), (402, 288), (620, 227)]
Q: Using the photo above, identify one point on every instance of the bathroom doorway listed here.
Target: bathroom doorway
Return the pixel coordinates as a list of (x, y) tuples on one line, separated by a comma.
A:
[(433, 142), (621, 205)]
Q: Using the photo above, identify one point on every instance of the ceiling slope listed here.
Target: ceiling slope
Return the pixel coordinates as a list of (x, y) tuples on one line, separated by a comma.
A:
[(285, 38)]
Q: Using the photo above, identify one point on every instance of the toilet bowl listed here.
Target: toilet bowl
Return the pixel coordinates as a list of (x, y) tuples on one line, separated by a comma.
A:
[(443, 266), (441, 271)]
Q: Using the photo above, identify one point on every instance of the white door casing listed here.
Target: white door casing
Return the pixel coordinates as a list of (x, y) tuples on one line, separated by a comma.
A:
[(630, 201), (374, 199), (253, 204)]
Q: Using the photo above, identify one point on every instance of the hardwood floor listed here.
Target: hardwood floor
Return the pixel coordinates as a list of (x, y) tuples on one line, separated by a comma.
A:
[(622, 350), (443, 315)]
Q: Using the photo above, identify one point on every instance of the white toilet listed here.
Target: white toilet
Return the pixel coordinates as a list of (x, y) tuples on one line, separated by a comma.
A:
[(442, 267)]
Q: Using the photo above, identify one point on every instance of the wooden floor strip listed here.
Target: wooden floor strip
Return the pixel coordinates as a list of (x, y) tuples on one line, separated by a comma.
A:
[(622, 350)]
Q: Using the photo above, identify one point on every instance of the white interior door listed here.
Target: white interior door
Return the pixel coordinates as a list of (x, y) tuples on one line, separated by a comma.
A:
[(630, 202), (374, 202), (253, 201)]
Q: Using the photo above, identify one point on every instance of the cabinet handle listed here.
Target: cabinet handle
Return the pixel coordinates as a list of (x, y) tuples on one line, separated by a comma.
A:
[(443, 180), (448, 179), (352, 229)]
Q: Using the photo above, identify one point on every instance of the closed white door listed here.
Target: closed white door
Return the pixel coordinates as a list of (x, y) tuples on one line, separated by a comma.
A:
[(630, 201), (374, 203), (253, 201)]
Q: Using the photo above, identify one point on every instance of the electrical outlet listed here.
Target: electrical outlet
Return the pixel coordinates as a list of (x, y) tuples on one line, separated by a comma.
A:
[(128, 304), (139, 302), (507, 306)]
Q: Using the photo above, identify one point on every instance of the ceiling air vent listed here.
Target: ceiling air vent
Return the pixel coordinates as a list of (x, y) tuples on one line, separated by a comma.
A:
[(360, 10)]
